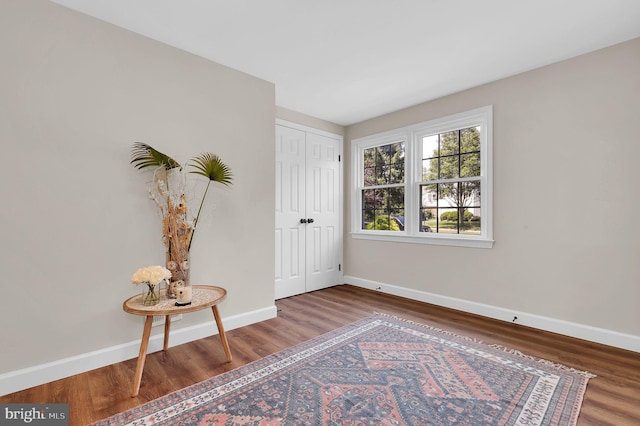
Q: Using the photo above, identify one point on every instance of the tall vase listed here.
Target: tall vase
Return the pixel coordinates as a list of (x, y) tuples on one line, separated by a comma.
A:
[(180, 273), (177, 232)]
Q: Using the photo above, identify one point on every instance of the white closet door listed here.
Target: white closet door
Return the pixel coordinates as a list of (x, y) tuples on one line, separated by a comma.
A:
[(308, 240), (290, 274), (323, 212)]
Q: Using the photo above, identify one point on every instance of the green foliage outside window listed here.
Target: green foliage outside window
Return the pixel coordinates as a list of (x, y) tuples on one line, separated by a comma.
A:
[(452, 216), (383, 223)]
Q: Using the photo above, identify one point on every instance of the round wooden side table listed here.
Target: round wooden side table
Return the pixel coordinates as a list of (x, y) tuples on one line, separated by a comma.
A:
[(204, 296)]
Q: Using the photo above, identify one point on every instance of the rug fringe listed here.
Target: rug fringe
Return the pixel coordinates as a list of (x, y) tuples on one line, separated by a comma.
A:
[(505, 349), (543, 361)]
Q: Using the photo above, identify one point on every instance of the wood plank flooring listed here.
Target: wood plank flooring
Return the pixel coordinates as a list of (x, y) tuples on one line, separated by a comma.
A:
[(612, 398)]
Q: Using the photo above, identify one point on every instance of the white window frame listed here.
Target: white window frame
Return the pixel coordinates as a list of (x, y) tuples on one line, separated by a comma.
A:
[(412, 136)]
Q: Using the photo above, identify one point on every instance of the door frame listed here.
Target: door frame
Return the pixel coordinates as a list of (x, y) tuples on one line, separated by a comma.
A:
[(340, 139)]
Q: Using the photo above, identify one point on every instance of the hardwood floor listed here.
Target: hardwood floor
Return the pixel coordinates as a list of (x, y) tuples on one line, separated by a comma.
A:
[(612, 398)]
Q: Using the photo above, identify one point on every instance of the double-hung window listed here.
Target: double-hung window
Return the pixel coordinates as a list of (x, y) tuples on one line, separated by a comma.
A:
[(428, 183)]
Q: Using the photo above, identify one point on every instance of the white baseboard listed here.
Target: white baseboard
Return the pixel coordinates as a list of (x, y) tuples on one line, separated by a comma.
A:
[(580, 331), (33, 376)]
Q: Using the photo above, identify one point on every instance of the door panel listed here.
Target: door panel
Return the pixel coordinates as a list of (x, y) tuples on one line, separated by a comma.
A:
[(323, 192), (290, 208)]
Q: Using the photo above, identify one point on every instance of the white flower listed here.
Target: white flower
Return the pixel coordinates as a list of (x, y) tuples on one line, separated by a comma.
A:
[(151, 274)]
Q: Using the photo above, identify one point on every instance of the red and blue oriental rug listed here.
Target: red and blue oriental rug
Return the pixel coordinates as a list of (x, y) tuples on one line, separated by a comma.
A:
[(381, 370)]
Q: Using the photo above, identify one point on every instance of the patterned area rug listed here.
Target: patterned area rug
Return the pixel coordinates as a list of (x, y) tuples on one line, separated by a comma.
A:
[(378, 371)]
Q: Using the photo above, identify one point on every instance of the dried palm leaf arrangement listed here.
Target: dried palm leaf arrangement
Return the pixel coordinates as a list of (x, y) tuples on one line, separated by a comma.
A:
[(168, 192)]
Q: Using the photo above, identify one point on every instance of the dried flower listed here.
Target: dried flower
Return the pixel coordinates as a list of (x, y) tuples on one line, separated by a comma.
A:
[(169, 192), (152, 275)]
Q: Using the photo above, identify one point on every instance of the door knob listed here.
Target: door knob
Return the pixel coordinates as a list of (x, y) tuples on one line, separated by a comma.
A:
[(303, 220)]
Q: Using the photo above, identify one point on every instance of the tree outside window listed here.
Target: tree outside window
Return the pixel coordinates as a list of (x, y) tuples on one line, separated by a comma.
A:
[(383, 195), (450, 195)]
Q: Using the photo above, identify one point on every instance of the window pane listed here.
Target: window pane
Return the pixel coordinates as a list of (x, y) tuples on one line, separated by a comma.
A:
[(383, 209), (372, 167), (469, 193), (428, 220), (449, 143), (395, 162), (459, 221), (384, 164), (429, 195), (448, 194), (372, 199), (451, 155), (430, 146), (387, 222), (397, 220), (447, 220), (442, 203), (470, 139), (471, 225), (428, 207), (430, 169), (449, 167), (395, 200), (470, 165)]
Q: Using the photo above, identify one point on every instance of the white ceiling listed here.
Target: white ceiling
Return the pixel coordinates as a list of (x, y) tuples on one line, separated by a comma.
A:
[(350, 60)]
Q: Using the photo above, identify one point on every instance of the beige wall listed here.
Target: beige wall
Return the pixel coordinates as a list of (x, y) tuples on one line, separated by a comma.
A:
[(75, 93), (566, 162), (306, 120)]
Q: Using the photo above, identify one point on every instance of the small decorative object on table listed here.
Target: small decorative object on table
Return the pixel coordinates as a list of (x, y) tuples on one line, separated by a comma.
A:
[(152, 276), (184, 296)]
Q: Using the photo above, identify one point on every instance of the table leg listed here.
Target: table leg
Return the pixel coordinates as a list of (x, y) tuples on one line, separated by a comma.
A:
[(167, 326), (142, 355), (223, 337)]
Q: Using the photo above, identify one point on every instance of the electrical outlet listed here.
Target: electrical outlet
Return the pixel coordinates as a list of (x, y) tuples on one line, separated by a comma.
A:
[(159, 320)]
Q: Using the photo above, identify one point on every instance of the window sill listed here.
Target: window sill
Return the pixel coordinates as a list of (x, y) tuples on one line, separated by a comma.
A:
[(439, 240)]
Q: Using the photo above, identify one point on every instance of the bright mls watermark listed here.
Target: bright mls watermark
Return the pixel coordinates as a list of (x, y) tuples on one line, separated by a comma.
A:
[(36, 414)]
